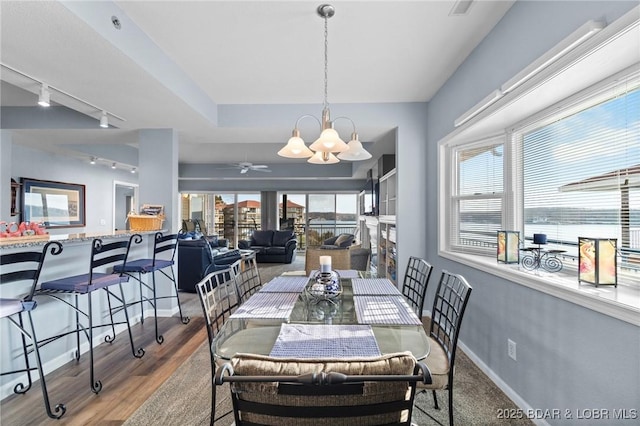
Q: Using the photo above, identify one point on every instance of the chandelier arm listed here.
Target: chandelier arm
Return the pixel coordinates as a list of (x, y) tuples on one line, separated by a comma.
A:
[(347, 118), (308, 115)]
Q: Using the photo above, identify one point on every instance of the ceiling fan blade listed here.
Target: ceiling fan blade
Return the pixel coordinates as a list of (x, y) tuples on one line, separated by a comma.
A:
[(262, 170), (259, 166)]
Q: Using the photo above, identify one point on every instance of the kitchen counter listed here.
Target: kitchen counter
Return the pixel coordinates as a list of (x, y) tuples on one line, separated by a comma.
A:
[(40, 240)]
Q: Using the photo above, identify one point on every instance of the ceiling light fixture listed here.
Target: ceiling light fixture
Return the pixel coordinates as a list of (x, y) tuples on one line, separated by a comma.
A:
[(45, 94), (113, 165), (93, 160), (133, 170), (323, 149), (104, 120), (44, 97)]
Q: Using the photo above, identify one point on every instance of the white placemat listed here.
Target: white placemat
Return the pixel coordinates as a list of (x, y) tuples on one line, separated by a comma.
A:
[(344, 273), (267, 305), (374, 286), (285, 285), (384, 310), (325, 341)]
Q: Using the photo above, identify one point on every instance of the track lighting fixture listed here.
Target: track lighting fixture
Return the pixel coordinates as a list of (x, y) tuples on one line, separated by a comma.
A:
[(45, 93), (44, 96), (104, 120)]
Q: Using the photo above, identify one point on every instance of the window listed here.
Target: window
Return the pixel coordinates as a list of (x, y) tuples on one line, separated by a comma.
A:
[(477, 199), (581, 173), (574, 171)]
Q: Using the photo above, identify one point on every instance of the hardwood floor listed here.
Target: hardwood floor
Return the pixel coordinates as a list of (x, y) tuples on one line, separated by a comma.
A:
[(127, 381)]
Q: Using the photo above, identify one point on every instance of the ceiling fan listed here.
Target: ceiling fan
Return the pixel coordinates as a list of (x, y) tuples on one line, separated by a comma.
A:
[(246, 166)]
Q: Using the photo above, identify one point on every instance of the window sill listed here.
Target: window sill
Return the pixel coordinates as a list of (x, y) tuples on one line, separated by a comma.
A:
[(622, 302)]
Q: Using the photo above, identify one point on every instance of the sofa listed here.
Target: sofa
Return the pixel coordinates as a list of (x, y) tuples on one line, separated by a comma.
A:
[(271, 246), (340, 241), (197, 258)]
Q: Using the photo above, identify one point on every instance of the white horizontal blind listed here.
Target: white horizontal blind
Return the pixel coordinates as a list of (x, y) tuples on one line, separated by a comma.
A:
[(581, 173), (476, 210)]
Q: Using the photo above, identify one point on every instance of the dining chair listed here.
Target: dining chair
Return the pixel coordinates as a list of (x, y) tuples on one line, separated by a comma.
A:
[(274, 391), (449, 304), (100, 277), (247, 277), (135, 268), (416, 280), (218, 298), (340, 258), (26, 267)]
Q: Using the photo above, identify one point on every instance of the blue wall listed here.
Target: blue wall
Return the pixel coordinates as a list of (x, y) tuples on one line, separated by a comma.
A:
[(569, 357)]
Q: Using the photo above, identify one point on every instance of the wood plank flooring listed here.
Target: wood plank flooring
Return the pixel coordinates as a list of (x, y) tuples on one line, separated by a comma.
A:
[(127, 381)]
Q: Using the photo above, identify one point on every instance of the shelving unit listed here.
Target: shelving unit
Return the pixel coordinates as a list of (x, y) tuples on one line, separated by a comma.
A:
[(381, 229), (387, 251), (388, 194)]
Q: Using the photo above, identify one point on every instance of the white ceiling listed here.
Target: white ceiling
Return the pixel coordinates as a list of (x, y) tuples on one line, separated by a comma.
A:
[(174, 63)]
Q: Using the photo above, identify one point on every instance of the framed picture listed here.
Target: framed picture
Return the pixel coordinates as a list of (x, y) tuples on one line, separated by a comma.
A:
[(56, 204)]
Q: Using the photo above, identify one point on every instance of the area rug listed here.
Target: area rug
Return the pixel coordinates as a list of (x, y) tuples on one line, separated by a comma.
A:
[(185, 398)]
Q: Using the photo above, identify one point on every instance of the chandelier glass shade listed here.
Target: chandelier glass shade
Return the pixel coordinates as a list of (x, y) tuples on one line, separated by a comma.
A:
[(329, 143)]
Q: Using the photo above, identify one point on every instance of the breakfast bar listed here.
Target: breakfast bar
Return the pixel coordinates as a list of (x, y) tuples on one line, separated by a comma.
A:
[(52, 318)]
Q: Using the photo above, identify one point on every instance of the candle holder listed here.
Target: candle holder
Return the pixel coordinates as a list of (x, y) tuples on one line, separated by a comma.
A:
[(597, 261), (508, 247)]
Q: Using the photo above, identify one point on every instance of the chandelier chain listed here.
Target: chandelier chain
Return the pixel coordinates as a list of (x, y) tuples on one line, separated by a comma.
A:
[(326, 61)]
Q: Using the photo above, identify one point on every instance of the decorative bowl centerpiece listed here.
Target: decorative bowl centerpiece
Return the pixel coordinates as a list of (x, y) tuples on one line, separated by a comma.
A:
[(326, 283)]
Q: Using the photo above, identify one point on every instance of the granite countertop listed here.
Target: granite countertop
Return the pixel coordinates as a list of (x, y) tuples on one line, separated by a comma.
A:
[(40, 240)]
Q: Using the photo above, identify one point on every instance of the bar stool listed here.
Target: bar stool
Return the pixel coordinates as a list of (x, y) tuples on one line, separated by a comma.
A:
[(102, 256), (26, 266), (135, 269)]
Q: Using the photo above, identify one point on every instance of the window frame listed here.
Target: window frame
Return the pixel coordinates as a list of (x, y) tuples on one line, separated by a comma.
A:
[(622, 302)]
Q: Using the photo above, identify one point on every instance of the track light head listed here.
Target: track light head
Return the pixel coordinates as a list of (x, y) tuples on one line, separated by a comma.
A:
[(104, 120), (44, 96)]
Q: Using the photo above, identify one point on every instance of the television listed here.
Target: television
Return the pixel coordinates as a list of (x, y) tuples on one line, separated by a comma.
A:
[(371, 196)]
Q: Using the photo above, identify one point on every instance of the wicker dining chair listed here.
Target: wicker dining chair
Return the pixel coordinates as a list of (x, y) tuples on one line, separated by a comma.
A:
[(449, 305), (275, 391), (340, 258), (218, 298)]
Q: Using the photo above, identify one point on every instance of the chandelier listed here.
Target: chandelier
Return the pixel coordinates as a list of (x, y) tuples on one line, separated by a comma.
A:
[(325, 148)]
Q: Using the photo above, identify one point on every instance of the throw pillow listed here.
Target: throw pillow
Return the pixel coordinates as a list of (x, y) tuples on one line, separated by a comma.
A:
[(213, 240), (344, 240), (280, 238)]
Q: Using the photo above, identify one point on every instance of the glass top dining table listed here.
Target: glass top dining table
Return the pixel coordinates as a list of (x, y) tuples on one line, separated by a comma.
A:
[(287, 307)]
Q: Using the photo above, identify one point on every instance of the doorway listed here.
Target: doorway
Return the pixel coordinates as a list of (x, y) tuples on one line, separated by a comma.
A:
[(125, 196)]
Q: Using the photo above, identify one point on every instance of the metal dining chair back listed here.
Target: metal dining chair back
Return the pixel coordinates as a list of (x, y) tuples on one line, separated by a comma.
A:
[(26, 267), (416, 280), (449, 305), (247, 277), (218, 297), (274, 391)]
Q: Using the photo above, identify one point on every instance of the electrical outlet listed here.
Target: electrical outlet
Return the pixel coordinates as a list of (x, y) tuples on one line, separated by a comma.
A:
[(511, 349)]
